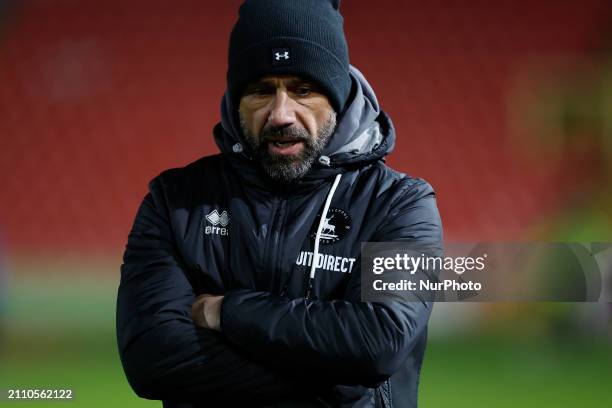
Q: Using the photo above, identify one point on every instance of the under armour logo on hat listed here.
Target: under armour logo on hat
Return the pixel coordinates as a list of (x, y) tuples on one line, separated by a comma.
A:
[(284, 55), (281, 57)]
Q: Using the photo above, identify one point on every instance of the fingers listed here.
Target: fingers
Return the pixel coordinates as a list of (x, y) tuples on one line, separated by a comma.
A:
[(197, 311)]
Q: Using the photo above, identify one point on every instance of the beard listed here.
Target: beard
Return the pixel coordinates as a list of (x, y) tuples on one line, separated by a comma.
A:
[(287, 168)]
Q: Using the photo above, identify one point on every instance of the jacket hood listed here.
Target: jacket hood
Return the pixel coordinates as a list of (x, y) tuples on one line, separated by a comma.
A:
[(364, 132)]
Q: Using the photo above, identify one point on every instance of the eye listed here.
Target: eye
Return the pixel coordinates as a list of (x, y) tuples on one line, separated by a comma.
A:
[(303, 90), (264, 90), (259, 90)]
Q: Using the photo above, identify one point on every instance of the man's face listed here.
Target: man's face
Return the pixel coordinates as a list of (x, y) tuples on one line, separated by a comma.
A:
[(287, 121)]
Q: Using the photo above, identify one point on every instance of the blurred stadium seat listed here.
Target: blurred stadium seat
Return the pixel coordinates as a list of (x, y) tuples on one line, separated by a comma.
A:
[(97, 98)]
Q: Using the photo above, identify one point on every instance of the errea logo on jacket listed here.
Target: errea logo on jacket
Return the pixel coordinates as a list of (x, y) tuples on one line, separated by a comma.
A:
[(216, 223)]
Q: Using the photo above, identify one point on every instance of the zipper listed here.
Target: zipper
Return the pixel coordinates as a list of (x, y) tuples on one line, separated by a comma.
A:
[(272, 250)]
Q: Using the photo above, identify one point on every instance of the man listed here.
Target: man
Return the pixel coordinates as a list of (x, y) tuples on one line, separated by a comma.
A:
[(241, 278)]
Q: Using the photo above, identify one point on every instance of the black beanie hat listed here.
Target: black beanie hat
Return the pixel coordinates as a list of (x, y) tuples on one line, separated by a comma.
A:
[(298, 37)]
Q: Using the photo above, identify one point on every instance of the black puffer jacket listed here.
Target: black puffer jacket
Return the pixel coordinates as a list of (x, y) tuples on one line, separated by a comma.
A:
[(219, 226)]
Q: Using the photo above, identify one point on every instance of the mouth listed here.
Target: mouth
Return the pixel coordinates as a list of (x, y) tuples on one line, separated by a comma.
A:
[(285, 147)]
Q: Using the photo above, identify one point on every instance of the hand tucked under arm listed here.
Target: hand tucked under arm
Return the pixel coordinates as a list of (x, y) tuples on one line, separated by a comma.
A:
[(206, 311)]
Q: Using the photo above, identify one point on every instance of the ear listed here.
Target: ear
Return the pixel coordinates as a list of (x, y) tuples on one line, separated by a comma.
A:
[(336, 4)]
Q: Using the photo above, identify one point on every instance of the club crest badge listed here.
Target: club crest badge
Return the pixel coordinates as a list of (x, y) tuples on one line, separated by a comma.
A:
[(335, 226)]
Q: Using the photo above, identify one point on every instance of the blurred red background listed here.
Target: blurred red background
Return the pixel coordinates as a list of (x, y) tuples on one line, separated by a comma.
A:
[(96, 98)]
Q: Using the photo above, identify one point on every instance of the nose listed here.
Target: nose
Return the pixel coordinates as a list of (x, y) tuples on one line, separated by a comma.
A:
[(282, 113)]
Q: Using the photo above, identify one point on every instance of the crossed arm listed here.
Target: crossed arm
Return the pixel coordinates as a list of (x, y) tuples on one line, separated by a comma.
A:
[(164, 354), (251, 344)]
